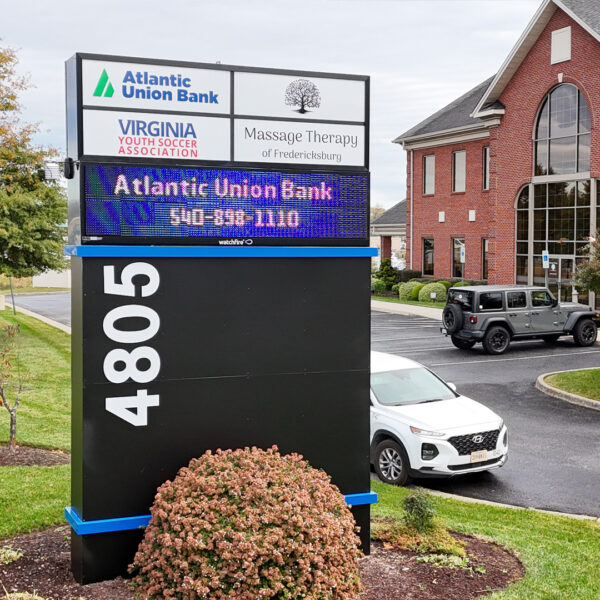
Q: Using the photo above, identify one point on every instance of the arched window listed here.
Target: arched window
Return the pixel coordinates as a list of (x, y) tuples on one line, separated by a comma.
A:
[(562, 133)]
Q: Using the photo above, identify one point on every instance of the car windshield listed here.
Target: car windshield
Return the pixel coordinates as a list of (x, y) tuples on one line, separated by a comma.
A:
[(409, 386)]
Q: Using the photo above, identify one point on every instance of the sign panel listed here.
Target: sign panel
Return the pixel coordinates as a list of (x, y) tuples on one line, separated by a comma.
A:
[(462, 254), (136, 85), (149, 135), (225, 206), (299, 143), (545, 259), (294, 97)]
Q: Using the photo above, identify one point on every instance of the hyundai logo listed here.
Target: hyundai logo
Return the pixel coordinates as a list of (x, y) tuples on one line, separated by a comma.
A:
[(477, 439)]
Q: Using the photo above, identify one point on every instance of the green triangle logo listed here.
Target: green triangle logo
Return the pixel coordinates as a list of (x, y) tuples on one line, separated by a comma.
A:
[(104, 86)]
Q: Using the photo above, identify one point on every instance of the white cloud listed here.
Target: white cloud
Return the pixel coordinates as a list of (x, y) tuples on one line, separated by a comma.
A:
[(420, 54)]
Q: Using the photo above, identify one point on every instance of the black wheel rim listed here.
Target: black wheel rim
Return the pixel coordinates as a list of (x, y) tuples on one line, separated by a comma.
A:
[(588, 333), (449, 320), (499, 341)]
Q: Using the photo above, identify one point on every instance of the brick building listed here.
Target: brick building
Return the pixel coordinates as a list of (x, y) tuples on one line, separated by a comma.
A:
[(510, 169)]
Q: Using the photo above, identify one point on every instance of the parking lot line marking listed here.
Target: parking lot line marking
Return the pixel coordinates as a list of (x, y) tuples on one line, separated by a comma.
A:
[(469, 362), (421, 337)]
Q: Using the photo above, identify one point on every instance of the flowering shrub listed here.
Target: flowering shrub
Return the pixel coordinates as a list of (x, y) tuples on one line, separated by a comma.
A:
[(248, 524)]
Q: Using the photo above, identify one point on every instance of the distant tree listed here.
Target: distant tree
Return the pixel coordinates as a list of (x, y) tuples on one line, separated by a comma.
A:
[(388, 274), (587, 274), (302, 93), (32, 210), (376, 211)]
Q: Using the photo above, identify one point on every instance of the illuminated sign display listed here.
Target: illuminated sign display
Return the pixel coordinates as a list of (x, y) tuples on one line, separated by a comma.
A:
[(225, 206)]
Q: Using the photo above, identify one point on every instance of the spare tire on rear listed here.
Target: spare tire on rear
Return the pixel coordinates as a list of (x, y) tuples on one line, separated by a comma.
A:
[(452, 318)]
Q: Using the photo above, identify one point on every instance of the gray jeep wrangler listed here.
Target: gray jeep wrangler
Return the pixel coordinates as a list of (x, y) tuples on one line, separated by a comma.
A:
[(496, 314)]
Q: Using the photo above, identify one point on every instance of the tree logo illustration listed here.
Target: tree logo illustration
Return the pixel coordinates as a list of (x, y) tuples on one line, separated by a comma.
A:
[(302, 93)]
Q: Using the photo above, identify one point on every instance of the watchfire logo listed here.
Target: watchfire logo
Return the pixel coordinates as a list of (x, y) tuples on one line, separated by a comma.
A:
[(104, 86)]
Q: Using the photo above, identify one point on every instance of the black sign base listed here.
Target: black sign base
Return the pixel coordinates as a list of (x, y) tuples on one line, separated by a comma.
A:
[(253, 351)]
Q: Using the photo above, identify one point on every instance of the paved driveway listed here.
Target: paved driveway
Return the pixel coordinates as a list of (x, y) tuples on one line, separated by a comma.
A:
[(554, 447), (54, 305)]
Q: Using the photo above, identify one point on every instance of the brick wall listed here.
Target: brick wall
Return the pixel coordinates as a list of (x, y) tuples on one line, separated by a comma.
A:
[(455, 205), (511, 162)]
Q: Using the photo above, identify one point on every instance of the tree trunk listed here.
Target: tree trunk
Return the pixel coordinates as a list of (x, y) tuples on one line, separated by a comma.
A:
[(13, 428)]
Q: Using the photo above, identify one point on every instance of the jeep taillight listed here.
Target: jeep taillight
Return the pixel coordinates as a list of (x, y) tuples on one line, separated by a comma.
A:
[(472, 319)]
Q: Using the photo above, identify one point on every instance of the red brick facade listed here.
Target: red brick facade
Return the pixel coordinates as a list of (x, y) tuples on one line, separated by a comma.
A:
[(511, 162)]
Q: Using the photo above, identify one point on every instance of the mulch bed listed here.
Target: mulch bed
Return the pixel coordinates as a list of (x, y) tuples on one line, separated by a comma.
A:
[(386, 574), (28, 456)]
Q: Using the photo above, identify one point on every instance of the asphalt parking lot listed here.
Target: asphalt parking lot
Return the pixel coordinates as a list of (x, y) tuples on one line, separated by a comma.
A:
[(554, 459), (554, 446)]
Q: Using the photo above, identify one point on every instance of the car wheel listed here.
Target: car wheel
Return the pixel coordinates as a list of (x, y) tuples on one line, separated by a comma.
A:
[(550, 339), (585, 332), (462, 344), (391, 463), (452, 318), (496, 340)]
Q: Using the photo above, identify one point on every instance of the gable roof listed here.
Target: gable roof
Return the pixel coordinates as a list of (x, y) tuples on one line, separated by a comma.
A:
[(584, 12), (393, 216), (470, 110), (456, 115)]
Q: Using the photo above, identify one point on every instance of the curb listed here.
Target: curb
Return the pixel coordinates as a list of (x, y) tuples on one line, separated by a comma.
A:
[(406, 309), (544, 387), (46, 320)]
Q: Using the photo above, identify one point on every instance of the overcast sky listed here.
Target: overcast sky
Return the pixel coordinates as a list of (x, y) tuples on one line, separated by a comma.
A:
[(420, 54)]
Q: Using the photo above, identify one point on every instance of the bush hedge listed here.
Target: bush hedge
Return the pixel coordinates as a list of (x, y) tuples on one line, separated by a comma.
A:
[(250, 523), (414, 294), (439, 289), (388, 274), (379, 286), (405, 289), (408, 274)]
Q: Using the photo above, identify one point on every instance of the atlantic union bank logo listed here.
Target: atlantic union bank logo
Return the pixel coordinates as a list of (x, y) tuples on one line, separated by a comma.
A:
[(104, 86), (171, 87)]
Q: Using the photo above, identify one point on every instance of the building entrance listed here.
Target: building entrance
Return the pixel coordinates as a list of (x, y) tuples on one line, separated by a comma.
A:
[(559, 278)]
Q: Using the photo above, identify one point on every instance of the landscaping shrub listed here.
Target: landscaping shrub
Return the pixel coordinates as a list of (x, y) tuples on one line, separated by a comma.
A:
[(388, 274), (445, 283), (438, 288), (405, 289), (414, 294), (395, 288), (379, 286), (240, 524), (419, 511), (408, 274)]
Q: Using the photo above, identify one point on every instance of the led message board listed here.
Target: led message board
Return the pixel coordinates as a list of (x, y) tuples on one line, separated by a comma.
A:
[(225, 206)]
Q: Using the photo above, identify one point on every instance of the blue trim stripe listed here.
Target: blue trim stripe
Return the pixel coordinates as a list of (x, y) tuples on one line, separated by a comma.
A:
[(219, 252), (81, 527)]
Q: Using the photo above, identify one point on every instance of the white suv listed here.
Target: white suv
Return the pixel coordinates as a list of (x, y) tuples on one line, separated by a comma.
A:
[(420, 427)]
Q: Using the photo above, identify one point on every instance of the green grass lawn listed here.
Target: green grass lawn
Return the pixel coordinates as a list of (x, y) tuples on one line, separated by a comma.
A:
[(44, 358), (584, 383), (32, 290), (32, 498), (413, 302), (561, 554)]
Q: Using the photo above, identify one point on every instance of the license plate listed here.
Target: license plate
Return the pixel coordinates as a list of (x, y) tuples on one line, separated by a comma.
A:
[(479, 456), (443, 330)]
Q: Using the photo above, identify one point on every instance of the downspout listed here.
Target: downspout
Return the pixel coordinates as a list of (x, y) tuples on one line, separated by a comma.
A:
[(412, 179)]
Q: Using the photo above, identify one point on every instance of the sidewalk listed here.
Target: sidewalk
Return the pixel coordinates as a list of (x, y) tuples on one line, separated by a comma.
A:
[(406, 309)]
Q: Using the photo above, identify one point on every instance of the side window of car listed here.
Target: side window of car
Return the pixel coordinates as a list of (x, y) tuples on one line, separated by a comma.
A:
[(490, 301), (516, 300), (541, 298)]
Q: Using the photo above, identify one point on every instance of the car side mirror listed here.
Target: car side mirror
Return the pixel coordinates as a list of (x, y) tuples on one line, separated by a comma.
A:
[(452, 386), (555, 302)]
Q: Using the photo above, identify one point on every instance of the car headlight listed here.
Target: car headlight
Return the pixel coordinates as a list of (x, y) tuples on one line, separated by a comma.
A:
[(419, 431)]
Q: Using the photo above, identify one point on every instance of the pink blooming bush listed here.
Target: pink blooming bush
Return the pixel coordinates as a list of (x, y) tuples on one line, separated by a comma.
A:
[(245, 525)]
